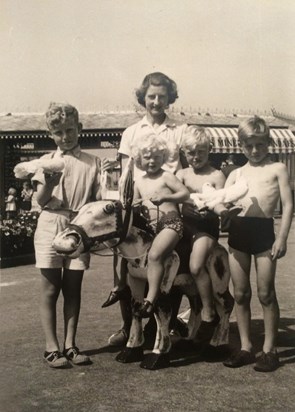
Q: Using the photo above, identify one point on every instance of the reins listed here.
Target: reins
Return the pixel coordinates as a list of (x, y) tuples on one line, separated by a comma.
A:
[(115, 253)]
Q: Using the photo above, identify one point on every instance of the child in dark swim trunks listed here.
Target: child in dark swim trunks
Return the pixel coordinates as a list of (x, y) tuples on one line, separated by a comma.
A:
[(203, 227), (252, 233), (159, 192)]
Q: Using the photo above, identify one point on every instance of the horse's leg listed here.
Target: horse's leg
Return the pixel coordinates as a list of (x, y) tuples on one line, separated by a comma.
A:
[(218, 269), (187, 285), (159, 358), (133, 352)]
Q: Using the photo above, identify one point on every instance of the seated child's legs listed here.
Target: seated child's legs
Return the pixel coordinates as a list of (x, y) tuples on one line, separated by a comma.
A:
[(240, 265), (266, 269), (120, 292), (163, 244), (50, 289), (71, 288), (202, 247), (120, 272)]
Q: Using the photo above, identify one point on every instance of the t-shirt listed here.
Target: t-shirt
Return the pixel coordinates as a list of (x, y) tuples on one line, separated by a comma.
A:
[(168, 130)]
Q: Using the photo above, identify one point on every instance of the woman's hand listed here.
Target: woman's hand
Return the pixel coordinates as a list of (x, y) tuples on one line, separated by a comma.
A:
[(107, 165)]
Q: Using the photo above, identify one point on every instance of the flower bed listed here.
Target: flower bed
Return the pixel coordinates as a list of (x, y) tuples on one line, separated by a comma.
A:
[(17, 235)]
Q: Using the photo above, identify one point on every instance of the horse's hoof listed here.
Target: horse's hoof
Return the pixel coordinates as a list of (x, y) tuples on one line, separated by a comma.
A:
[(206, 330), (154, 361), (129, 355)]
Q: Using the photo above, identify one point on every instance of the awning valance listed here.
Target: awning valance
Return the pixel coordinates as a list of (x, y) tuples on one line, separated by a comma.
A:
[(225, 140), (103, 135)]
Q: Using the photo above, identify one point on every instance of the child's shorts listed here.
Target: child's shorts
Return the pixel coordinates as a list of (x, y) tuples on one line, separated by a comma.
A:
[(51, 222), (207, 224), (170, 221), (251, 235)]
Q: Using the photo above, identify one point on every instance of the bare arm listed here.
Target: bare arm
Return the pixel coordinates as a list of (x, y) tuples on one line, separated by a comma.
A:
[(231, 178), (44, 191), (179, 192), (220, 180), (108, 164), (279, 248), (96, 186), (180, 176), (124, 160), (137, 194)]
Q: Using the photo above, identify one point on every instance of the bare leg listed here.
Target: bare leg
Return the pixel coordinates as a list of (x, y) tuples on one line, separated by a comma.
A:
[(162, 246), (266, 269), (120, 273), (120, 282), (71, 288), (50, 289), (202, 247), (126, 312), (240, 264)]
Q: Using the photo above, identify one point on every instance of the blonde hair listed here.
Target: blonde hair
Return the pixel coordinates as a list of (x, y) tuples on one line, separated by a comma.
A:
[(12, 191), (58, 113), (150, 143), (253, 127), (195, 135)]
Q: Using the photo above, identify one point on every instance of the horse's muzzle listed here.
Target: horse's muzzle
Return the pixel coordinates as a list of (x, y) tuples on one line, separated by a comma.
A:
[(68, 243)]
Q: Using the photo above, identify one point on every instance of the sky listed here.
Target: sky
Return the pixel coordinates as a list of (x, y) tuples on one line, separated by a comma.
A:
[(225, 55)]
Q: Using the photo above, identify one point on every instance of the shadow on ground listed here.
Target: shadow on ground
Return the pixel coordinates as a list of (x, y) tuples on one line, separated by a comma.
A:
[(185, 352)]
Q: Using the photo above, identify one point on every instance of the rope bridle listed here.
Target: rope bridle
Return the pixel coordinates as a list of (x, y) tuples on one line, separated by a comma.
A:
[(122, 226)]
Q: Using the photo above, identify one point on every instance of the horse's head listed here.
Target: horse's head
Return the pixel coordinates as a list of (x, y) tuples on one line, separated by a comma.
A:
[(96, 222), (99, 221)]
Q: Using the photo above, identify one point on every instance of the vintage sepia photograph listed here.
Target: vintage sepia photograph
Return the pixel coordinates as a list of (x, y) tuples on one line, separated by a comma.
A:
[(147, 187)]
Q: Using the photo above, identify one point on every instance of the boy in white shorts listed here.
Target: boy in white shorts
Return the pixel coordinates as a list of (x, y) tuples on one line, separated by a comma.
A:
[(61, 196)]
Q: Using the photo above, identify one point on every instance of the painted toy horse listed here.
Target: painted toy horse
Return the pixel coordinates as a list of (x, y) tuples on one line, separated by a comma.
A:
[(111, 222)]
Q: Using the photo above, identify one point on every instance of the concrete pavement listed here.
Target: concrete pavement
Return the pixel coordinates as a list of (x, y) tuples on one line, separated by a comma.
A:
[(191, 384)]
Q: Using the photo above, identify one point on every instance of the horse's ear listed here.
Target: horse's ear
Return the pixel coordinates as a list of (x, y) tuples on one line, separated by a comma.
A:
[(126, 184)]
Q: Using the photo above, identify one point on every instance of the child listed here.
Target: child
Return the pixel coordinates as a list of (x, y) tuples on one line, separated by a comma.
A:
[(61, 196), (252, 233), (156, 92), (10, 201), (26, 195), (203, 227), (162, 189)]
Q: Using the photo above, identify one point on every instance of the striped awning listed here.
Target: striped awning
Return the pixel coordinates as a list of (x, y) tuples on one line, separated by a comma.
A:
[(225, 140)]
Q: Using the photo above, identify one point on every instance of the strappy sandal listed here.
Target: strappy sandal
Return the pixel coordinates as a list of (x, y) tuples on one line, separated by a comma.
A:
[(76, 357), (56, 359)]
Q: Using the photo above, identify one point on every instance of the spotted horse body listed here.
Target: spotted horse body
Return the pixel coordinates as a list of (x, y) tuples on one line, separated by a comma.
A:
[(111, 222)]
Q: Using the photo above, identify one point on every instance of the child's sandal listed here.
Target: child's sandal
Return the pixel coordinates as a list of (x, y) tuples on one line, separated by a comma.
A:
[(56, 359), (76, 357)]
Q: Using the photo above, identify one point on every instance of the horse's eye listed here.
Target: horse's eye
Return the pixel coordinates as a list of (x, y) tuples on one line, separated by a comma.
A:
[(109, 209)]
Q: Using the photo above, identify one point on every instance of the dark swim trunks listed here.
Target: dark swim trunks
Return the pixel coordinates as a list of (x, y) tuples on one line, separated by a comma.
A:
[(207, 223), (251, 235)]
